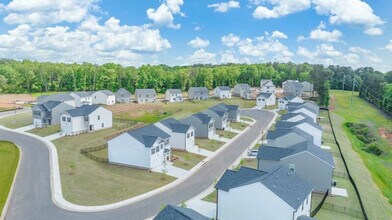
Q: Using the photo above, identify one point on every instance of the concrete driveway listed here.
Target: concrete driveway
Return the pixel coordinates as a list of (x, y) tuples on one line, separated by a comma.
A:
[(32, 197)]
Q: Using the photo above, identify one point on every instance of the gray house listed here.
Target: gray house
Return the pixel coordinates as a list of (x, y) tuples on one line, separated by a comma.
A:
[(293, 88), (60, 97), (174, 95), (305, 125), (294, 117), (123, 96), (203, 124), (48, 113), (306, 160), (243, 90), (310, 109), (182, 136), (287, 137), (220, 117), (198, 93), (145, 95), (233, 110), (307, 86), (178, 213)]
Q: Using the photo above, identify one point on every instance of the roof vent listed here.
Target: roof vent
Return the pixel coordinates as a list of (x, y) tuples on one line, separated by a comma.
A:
[(274, 186), (276, 177)]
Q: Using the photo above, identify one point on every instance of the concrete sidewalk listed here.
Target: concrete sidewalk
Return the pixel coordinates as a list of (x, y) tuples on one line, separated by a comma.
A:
[(171, 170), (54, 136), (197, 150), (26, 128)]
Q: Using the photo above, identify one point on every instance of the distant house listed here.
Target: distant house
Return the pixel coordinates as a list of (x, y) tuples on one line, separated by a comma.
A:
[(178, 213), (308, 161), (48, 113), (182, 136), (220, 116), (267, 86), (123, 96), (265, 99), (85, 119), (60, 97), (198, 93), (233, 110), (310, 109), (222, 92), (305, 125), (174, 95), (146, 148), (252, 194), (287, 137), (103, 97), (82, 98), (284, 101), (293, 88), (204, 125), (247, 95), (242, 90), (294, 117), (307, 87), (145, 95)]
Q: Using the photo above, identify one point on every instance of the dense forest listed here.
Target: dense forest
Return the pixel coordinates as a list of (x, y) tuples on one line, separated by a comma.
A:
[(28, 76)]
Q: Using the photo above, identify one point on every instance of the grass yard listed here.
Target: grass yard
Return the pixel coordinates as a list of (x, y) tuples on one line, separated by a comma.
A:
[(238, 125), (211, 197), (186, 160), (17, 121), (248, 162), (226, 134), (246, 119), (271, 107), (43, 132), (9, 158), (207, 144), (87, 182)]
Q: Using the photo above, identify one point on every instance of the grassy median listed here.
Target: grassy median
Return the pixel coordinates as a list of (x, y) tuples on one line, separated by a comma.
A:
[(17, 121), (9, 158)]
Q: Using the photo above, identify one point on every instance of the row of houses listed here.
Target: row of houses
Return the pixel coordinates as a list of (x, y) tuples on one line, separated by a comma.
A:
[(150, 147)]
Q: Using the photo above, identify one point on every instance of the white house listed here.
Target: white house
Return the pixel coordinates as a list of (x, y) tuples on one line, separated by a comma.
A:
[(48, 113), (273, 194), (182, 136), (85, 119), (284, 101), (146, 148), (103, 97), (123, 96), (305, 125), (267, 86), (82, 98), (294, 117), (174, 95), (222, 92), (242, 90), (145, 95), (265, 99), (307, 108)]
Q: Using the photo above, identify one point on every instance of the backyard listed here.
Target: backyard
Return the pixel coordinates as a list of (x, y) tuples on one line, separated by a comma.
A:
[(207, 144), (9, 158)]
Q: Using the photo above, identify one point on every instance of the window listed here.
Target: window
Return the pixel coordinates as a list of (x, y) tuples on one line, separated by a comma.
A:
[(157, 149), (302, 206), (307, 200), (292, 167), (140, 95), (147, 96), (99, 117), (211, 125), (188, 135), (167, 142), (68, 119), (192, 134), (103, 125), (63, 118), (152, 151)]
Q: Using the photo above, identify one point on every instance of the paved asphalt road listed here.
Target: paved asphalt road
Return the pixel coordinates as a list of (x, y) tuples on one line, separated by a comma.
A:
[(32, 199)]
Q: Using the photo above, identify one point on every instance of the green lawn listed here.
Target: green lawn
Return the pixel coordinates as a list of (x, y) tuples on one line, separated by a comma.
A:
[(17, 121), (271, 107), (9, 158), (248, 162), (186, 160), (211, 197), (246, 119), (226, 134), (207, 144), (87, 182), (238, 125), (43, 132)]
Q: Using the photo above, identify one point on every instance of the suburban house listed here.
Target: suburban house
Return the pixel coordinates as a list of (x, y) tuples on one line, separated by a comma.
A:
[(198, 93), (182, 136), (310, 109), (145, 95), (146, 148), (251, 194), (82, 98), (287, 137), (307, 87), (305, 125), (222, 92), (203, 124), (308, 161), (291, 87), (220, 116), (174, 95), (233, 110), (60, 97), (265, 99), (242, 90), (123, 96), (294, 117), (85, 118), (284, 101), (267, 86), (103, 97), (48, 113), (179, 213)]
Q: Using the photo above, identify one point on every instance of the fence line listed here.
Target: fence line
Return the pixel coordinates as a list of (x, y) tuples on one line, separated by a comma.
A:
[(341, 174), (320, 205), (87, 152), (343, 210)]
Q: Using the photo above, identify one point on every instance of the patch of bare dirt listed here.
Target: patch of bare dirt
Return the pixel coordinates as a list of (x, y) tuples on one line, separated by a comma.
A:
[(134, 109), (332, 100), (15, 100), (386, 134)]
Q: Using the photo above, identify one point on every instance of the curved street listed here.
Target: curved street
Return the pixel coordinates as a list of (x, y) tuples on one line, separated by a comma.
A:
[(32, 199)]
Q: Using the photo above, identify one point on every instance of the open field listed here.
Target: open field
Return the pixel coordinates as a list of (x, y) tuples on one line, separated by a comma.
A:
[(238, 125), (9, 158), (17, 121), (43, 132), (226, 134), (7, 101), (87, 182), (186, 160), (207, 144)]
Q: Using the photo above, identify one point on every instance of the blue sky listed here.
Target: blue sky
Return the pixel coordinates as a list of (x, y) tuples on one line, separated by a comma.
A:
[(181, 32)]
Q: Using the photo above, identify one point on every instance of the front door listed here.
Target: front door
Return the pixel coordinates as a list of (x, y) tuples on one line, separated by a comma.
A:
[(91, 127)]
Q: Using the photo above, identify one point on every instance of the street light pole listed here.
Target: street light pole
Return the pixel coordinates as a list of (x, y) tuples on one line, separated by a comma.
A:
[(352, 93)]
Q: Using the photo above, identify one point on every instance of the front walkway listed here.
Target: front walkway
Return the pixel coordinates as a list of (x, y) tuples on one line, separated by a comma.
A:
[(26, 128), (171, 170), (217, 137), (54, 136), (197, 150)]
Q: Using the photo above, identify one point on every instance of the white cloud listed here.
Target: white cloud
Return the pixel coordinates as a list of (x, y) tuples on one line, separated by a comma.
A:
[(197, 28), (224, 6), (278, 35), (374, 31), (163, 15), (321, 25), (301, 38), (327, 50), (230, 40), (302, 51), (281, 8), (198, 43), (389, 46), (199, 57), (367, 54), (228, 56), (323, 35)]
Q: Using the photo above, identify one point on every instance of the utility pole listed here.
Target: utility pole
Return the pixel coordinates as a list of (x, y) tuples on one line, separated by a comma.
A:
[(352, 93), (344, 77)]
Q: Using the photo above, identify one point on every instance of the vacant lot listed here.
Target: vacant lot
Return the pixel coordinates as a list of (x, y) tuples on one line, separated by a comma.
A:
[(43, 132), (7, 101), (17, 121), (186, 160), (9, 157), (207, 144)]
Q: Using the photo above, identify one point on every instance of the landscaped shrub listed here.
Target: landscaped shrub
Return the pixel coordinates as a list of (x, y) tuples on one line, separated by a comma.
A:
[(364, 134), (373, 148)]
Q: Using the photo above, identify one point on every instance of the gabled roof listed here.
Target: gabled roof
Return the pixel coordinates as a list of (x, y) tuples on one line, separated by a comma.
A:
[(106, 92), (49, 105), (61, 97), (198, 89), (123, 91), (225, 107), (145, 91), (218, 110), (203, 118), (290, 115), (289, 124), (83, 94), (267, 82), (148, 135), (279, 132), (175, 125), (244, 85), (178, 213), (224, 88), (265, 95), (307, 105), (290, 97), (174, 91), (83, 110), (279, 180)]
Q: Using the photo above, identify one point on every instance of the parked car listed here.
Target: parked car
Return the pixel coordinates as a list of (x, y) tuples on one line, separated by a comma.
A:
[(253, 153)]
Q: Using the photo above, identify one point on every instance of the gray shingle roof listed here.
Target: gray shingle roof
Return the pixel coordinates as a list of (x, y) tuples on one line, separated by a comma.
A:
[(203, 118), (83, 110), (265, 95), (145, 91), (83, 94), (307, 105), (148, 135), (175, 91), (224, 88), (244, 85), (289, 115), (218, 110), (198, 89), (304, 217), (106, 92), (289, 125), (61, 97), (49, 105), (175, 125), (123, 91), (178, 213), (284, 184)]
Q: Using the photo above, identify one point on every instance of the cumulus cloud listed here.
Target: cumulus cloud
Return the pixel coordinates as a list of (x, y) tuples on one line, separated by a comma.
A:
[(163, 15), (229, 56), (374, 31), (389, 46), (278, 35), (230, 40), (199, 57), (367, 54), (198, 43), (323, 35), (280, 8), (224, 6)]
